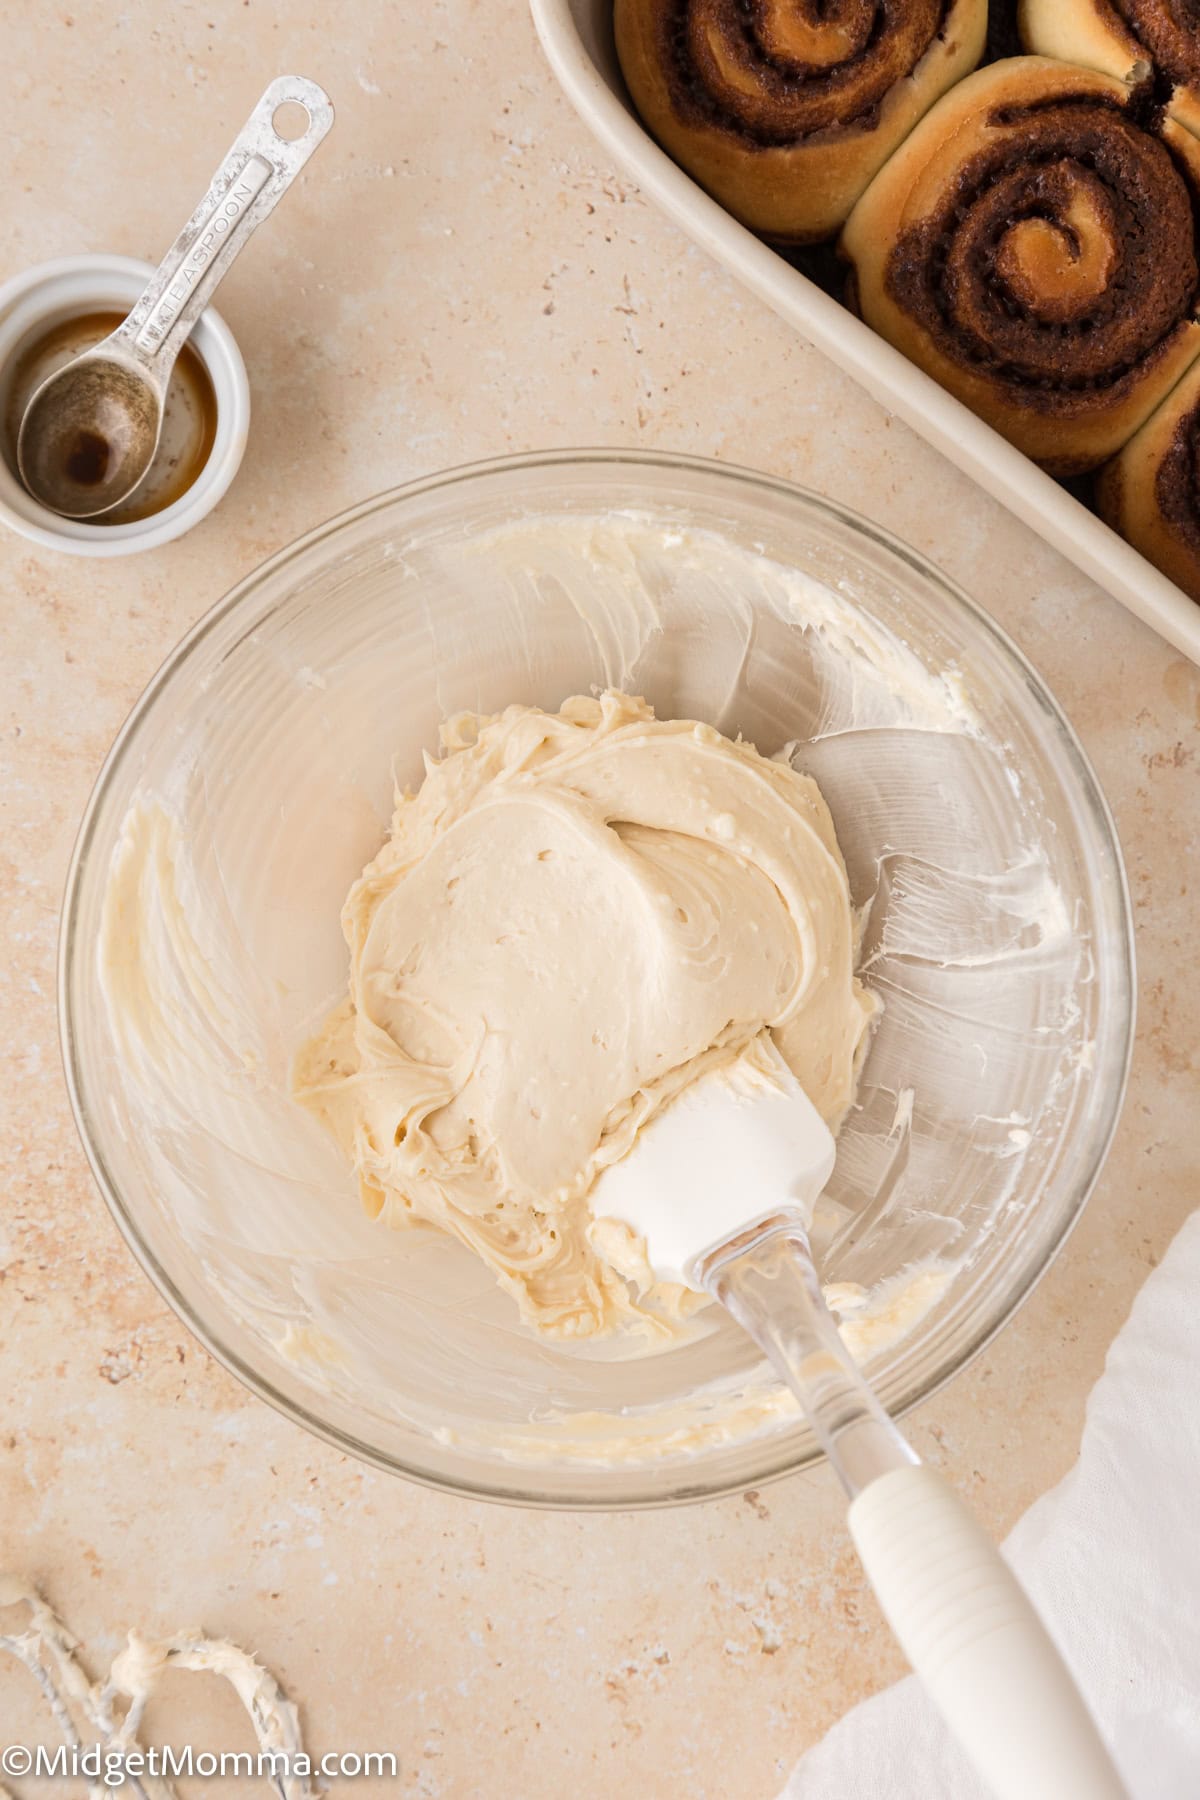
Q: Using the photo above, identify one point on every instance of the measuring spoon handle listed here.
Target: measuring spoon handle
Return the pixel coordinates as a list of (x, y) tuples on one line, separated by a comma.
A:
[(258, 169)]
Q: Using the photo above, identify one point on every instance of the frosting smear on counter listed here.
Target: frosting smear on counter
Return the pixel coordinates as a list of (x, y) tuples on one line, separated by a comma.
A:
[(576, 915)]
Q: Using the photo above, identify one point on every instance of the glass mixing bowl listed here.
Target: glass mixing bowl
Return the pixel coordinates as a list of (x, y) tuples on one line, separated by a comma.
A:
[(254, 779)]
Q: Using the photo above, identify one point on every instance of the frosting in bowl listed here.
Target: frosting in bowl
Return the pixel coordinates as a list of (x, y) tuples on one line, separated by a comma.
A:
[(576, 915)]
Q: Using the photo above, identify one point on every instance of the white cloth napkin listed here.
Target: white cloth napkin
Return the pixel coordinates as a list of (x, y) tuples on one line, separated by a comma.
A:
[(1112, 1559)]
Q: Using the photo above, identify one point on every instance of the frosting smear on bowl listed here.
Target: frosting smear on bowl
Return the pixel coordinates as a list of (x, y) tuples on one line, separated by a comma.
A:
[(577, 914)]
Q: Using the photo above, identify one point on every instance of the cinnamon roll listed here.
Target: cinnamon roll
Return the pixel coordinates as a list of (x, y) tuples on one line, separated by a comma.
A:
[(1150, 493), (1033, 245), (1117, 35), (784, 109)]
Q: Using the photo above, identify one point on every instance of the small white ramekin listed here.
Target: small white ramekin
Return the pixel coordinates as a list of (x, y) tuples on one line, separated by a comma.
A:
[(79, 284)]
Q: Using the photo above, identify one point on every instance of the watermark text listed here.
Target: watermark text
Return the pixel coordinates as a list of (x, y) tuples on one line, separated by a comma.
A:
[(114, 1767)]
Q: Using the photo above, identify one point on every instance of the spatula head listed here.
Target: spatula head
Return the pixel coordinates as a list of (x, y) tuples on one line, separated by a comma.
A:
[(738, 1145)]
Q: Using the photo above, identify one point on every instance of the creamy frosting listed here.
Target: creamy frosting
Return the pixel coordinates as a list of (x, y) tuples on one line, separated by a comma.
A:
[(218, 952), (87, 1712), (576, 915)]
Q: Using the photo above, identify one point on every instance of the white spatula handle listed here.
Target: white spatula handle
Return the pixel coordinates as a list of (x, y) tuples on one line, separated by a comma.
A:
[(955, 1607), (971, 1635)]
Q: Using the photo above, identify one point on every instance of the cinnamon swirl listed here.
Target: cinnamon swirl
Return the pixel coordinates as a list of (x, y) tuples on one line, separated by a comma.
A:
[(1033, 245), (1150, 493), (784, 109), (1116, 35)]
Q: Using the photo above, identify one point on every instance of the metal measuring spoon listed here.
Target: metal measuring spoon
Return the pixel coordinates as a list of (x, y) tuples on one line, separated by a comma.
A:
[(90, 431)]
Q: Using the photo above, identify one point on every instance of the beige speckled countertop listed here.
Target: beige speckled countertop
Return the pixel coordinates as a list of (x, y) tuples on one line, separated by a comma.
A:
[(460, 274)]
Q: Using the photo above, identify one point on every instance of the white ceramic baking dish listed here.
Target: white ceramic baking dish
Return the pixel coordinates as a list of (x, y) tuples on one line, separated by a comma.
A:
[(577, 38)]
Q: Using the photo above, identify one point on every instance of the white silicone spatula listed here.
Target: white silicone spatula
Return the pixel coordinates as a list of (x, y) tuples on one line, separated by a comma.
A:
[(721, 1186)]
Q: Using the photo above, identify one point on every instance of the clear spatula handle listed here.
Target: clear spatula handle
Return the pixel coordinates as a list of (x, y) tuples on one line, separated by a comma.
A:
[(957, 1611), (774, 1293)]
